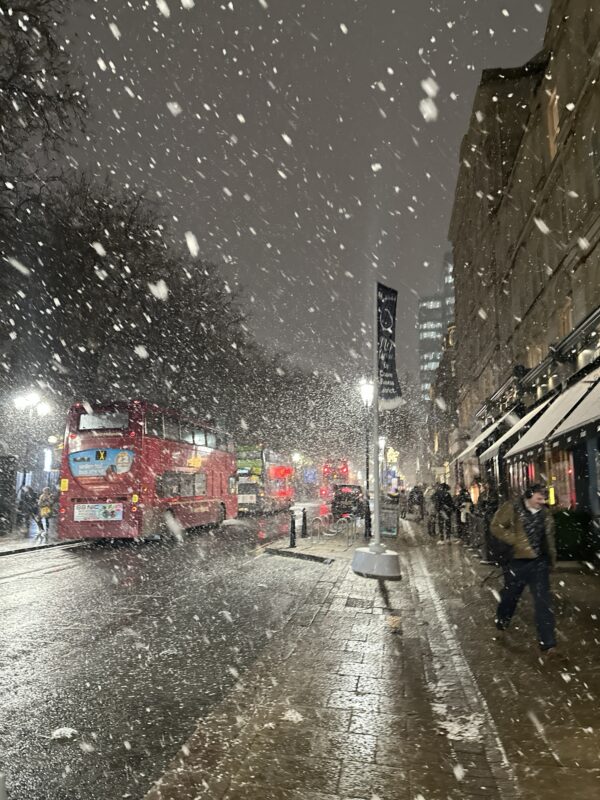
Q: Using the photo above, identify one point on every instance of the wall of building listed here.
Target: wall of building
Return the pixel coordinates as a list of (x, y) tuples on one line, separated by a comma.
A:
[(525, 225)]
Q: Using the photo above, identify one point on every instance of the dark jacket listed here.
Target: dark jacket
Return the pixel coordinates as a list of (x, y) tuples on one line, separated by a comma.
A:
[(507, 526)]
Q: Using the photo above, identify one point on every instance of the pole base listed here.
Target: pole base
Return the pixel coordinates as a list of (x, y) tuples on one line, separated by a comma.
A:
[(370, 564)]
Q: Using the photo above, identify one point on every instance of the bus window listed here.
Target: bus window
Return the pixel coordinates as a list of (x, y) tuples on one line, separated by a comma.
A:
[(171, 428), (211, 440), (186, 485), (221, 441), (168, 484), (187, 434), (154, 424), (200, 483), (104, 421), (200, 437)]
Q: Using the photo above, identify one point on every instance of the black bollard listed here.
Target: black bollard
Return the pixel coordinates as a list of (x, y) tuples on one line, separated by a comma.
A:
[(304, 531), (292, 529), (368, 520)]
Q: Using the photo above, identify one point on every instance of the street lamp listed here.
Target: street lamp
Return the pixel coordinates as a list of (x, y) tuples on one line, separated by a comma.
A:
[(26, 400), (367, 391)]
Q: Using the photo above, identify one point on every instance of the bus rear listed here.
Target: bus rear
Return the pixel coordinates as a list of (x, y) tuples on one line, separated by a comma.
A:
[(99, 480)]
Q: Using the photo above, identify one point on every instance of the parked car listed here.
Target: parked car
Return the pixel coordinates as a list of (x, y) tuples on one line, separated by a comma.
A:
[(347, 500)]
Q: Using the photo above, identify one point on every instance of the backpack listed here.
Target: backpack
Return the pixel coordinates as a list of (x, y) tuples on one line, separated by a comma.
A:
[(499, 552)]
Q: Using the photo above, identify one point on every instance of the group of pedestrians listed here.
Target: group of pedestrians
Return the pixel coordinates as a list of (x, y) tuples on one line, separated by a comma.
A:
[(447, 514), (38, 508)]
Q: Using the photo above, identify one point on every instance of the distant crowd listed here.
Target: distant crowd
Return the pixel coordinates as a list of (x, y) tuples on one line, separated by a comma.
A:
[(38, 509), (449, 516)]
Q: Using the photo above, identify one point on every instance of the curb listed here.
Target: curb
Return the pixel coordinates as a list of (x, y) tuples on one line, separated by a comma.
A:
[(40, 547), (275, 551)]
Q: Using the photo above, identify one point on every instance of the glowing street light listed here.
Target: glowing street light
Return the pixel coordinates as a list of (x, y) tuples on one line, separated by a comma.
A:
[(43, 409), (26, 400), (367, 391)]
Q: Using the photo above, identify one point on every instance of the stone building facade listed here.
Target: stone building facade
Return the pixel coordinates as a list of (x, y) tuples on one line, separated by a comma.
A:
[(526, 223), (525, 227)]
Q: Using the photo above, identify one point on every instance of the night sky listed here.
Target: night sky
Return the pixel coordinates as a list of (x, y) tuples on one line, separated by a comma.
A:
[(290, 138)]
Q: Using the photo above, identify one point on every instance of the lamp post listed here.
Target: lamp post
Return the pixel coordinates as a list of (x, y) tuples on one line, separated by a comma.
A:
[(382, 464), (366, 393)]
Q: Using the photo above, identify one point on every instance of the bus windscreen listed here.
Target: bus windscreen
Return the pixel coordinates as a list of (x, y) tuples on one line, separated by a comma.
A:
[(104, 421)]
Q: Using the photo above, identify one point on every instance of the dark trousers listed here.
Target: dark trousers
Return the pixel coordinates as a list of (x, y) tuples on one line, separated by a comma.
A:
[(444, 524), (534, 573)]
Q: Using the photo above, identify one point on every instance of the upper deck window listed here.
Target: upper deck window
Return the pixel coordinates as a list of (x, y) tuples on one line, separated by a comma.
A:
[(104, 421)]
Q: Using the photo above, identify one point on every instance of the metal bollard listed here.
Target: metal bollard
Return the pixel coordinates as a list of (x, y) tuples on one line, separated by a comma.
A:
[(315, 529), (292, 529), (304, 530)]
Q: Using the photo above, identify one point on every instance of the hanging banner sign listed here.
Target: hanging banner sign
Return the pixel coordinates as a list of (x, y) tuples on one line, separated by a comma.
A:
[(390, 394)]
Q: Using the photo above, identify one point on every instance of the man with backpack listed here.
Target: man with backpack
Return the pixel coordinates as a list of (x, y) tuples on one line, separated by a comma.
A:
[(528, 553)]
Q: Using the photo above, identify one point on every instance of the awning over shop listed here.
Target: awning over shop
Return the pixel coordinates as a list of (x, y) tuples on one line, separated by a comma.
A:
[(493, 451), (472, 446), (586, 413), (550, 420)]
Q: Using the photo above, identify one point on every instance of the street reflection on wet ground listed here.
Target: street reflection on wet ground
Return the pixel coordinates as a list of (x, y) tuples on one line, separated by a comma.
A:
[(129, 644)]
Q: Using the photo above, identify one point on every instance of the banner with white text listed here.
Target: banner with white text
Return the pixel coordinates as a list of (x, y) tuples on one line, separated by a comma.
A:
[(390, 394)]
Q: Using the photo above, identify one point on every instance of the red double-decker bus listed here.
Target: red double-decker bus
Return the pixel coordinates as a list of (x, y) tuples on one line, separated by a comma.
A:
[(135, 470)]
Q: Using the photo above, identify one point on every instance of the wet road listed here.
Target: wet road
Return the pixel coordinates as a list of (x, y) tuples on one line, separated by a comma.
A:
[(129, 645)]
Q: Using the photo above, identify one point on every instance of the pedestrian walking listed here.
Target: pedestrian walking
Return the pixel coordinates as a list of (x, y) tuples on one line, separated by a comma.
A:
[(45, 509), (444, 509), (487, 505), (27, 507), (402, 503), (526, 527), (463, 507), (419, 502), (429, 508)]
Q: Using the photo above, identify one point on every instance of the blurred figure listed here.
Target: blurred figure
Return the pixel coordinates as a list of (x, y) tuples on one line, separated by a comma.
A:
[(45, 509), (402, 503), (463, 508), (27, 507), (418, 502), (489, 500), (429, 508), (444, 508)]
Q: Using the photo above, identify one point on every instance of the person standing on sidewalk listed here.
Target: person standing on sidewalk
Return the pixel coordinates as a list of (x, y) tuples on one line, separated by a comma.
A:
[(444, 510), (527, 527), (45, 508)]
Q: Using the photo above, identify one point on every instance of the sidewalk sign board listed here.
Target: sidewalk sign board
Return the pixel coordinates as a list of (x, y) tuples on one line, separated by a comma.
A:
[(389, 522)]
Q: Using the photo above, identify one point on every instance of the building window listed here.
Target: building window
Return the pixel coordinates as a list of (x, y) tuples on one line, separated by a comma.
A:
[(431, 304), (428, 326), (430, 335), (565, 319), (553, 120), (534, 356)]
